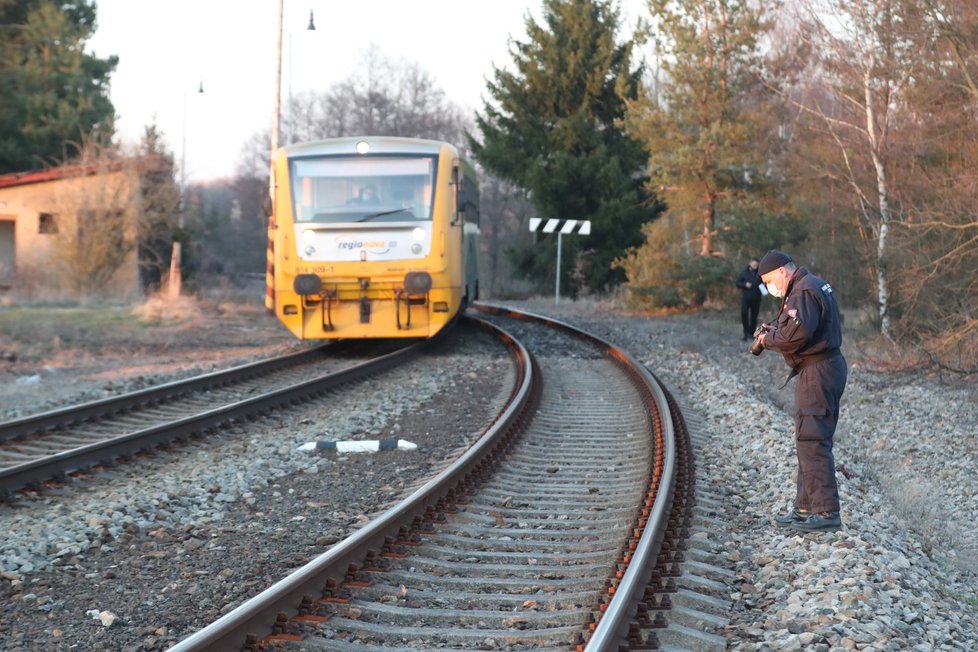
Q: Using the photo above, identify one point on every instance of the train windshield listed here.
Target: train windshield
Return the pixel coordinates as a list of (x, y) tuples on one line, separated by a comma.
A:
[(363, 188)]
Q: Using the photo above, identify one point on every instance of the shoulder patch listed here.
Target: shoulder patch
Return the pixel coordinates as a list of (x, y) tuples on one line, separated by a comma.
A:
[(826, 289)]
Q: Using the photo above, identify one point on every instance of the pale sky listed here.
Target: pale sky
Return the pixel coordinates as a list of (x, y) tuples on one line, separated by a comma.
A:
[(168, 48)]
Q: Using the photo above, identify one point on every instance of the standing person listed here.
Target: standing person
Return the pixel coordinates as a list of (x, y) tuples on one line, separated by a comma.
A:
[(808, 333), (749, 282)]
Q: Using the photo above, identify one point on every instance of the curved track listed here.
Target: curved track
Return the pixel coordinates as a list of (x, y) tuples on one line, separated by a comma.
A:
[(559, 528)]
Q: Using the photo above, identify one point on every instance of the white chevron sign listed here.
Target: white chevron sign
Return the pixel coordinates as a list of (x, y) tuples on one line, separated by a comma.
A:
[(562, 227)]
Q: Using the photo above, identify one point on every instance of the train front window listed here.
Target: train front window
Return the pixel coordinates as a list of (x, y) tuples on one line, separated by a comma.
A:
[(363, 188)]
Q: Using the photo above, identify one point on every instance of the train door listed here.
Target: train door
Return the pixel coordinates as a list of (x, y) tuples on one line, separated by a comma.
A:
[(467, 207)]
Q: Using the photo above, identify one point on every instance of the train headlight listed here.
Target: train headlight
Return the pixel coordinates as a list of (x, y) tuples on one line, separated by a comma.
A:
[(306, 284), (363, 147), (418, 233), (417, 282), (416, 248), (310, 250), (309, 236)]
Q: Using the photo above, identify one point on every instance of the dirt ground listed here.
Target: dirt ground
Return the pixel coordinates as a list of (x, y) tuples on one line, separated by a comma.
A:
[(57, 355)]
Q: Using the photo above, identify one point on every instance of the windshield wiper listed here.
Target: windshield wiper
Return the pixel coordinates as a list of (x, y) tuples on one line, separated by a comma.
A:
[(382, 213)]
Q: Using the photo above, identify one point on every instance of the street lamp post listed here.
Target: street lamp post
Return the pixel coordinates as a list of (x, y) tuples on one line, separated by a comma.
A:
[(173, 281), (183, 148), (311, 28), (277, 119)]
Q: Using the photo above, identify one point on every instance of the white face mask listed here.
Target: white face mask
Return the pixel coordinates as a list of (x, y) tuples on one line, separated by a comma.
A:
[(773, 290)]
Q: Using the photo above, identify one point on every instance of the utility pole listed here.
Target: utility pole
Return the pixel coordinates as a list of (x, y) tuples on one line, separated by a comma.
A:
[(278, 76)]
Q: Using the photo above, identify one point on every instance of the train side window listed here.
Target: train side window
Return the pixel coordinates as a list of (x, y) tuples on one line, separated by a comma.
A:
[(470, 192)]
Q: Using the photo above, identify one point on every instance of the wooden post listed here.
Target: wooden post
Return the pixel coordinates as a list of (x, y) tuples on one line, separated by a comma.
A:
[(173, 283)]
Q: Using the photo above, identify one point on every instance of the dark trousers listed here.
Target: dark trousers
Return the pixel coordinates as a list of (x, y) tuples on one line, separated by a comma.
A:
[(749, 307), (817, 395)]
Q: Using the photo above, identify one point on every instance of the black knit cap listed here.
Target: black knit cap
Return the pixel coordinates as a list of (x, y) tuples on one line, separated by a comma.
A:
[(772, 260)]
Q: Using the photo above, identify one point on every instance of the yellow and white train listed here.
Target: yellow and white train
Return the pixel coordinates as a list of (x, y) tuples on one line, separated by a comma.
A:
[(371, 237)]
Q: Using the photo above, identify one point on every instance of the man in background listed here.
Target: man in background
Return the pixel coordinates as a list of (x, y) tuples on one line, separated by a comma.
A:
[(749, 282)]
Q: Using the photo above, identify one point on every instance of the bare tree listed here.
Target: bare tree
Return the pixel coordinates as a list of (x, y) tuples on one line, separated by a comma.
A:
[(861, 63), (887, 138), (381, 98)]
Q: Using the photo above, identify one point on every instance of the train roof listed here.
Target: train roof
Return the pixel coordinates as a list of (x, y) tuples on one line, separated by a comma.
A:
[(376, 145)]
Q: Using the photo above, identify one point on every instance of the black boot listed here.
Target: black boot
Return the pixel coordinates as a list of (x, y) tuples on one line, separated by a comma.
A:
[(820, 522), (792, 518)]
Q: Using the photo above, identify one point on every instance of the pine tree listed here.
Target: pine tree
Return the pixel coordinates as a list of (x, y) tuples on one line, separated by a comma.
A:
[(552, 129), (702, 127), (52, 93)]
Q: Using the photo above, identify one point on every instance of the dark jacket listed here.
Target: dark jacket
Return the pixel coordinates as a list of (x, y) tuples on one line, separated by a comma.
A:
[(808, 326), (751, 276)]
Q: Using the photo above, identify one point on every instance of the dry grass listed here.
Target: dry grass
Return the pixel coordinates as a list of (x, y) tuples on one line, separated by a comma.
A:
[(66, 335)]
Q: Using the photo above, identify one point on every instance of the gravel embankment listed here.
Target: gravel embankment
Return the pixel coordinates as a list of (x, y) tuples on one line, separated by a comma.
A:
[(901, 575), (161, 546)]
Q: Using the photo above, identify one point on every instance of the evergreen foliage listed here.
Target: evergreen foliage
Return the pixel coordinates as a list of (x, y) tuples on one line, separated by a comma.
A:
[(52, 93), (552, 129), (703, 126)]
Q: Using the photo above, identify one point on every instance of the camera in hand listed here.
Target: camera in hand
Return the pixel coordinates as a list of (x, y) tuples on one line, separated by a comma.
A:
[(757, 347)]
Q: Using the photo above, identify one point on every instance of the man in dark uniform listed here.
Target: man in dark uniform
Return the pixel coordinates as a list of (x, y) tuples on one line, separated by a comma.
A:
[(808, 333), (749, 282)]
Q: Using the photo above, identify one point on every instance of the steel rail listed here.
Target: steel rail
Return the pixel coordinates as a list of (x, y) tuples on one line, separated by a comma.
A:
[(612, 629), (107, 450), (114, 404), (254, 619)]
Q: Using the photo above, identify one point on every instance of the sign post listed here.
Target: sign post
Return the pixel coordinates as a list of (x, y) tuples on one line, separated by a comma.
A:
[(562, 227)]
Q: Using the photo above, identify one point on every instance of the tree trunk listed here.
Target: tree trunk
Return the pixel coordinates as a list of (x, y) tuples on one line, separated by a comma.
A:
[(708, 221), (883, 228)]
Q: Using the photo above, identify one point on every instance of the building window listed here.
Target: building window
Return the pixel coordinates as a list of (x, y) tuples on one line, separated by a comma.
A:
[(47, 223)]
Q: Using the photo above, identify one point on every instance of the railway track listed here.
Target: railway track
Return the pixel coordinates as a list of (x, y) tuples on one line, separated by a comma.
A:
[(562, 527), (51, 445)]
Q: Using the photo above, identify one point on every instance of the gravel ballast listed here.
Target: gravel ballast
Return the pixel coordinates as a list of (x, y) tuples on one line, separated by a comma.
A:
[(900, 575), (141, 555)]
